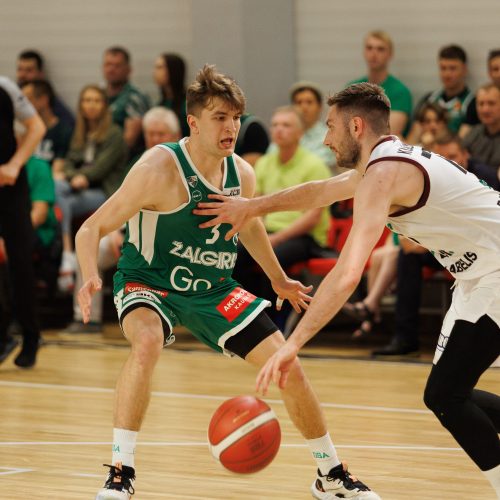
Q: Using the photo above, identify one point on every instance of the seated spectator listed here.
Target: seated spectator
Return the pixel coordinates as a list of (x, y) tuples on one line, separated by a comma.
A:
[(378, 51), (452, 147), (308, 98), (252, 141), (159, 125), (30, 66), (454, 96), (432, 122), (126, 102), (483, 140), (93, 170), (381, 275), (55, 143), (295, 236), (170, 76), (494, 66)]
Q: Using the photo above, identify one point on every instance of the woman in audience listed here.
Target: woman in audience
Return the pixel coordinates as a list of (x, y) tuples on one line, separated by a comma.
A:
[(93, 170), (431, 122), (170, 76)]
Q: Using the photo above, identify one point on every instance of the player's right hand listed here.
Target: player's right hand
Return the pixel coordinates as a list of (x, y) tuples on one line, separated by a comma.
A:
[(91, 286), (227, 210)]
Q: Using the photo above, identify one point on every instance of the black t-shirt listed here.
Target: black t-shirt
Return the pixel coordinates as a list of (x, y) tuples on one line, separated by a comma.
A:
[(7, 137), (253, 136)]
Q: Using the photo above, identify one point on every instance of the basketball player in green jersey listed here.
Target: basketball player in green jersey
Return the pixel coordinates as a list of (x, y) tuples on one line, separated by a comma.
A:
[(172, 272)]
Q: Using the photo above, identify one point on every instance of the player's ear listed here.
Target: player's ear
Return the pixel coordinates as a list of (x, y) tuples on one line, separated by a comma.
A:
[(193, 124), (357, 126)]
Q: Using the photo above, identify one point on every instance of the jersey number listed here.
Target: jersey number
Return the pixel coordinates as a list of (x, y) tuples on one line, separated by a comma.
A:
[(215, 237)]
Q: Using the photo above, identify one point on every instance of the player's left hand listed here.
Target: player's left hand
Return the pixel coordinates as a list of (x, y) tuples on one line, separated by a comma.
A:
[(8, 174), (277, 368), (294, 291)]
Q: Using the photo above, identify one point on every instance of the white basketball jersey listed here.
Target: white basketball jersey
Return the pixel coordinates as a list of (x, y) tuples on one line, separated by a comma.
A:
[(457, 217)]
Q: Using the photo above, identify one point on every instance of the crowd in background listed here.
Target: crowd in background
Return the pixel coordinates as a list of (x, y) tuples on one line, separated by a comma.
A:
[(85, 153)]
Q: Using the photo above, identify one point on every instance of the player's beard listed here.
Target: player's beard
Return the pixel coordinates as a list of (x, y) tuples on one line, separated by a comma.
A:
[(349, 153)]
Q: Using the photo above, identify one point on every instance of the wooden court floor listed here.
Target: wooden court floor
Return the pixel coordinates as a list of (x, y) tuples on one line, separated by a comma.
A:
[(56, 427)]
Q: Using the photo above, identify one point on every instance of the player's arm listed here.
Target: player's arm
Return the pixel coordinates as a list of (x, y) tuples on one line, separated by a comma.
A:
[(142, 188), (255, 239), (371, 207), (314, 194), (39, 212)]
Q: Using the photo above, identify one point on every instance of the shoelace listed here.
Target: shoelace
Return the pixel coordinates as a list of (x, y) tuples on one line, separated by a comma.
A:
[(350, 481), (124, 483)]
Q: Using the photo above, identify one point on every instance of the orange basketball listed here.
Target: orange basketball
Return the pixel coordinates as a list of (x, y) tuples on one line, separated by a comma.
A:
[(244, 434)]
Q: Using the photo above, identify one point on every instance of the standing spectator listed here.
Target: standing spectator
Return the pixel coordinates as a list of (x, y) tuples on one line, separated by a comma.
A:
[(126, 102), (170, 76), (159, 125), (30, 66), (93, 170), (494, 66), (454, 96), (55, 143), (15, 217), (483, 140), (378, 52), (308, 98)]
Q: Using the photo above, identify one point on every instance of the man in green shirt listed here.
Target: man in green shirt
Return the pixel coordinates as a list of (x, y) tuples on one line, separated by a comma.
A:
[(378, 51)]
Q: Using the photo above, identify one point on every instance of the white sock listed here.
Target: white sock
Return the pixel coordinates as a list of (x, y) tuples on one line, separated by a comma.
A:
[(324, 453), (493, 476), (124, 446)]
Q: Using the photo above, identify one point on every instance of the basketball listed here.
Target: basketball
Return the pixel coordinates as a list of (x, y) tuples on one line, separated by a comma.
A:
[(244, 434)]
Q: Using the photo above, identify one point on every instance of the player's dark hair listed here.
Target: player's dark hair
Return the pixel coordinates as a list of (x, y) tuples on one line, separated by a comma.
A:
[(209, 85), (453, 52), (34, 55), (367, 101)]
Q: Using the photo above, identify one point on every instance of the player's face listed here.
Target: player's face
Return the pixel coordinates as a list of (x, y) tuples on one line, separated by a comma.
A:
[(377, 54), (157, 132), (27, 71), (92, 105), (160, 72), (453, 152), (309, 106), (488, 106), (340, 140), (494, 70), (115, 69), (217, 128), (286, 129), (452, 73)]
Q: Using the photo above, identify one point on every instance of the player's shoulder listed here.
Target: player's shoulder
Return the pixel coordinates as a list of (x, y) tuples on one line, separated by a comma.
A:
[(156, 164), (244, 168)]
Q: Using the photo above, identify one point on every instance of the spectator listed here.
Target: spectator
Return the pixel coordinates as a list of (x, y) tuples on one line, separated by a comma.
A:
[(55, 144), (252, 141), (30, 66), (454, 96), (452, 147), (483, 140), (432, 122), (295, 236), (159, 125), (126, 103), (170, 76), (93, 170), (494, 66), (15, 218), (378, 51), (308, 98)]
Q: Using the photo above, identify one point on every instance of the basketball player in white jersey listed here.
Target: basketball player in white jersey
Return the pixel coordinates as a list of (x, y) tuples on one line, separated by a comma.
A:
[(438, 204)]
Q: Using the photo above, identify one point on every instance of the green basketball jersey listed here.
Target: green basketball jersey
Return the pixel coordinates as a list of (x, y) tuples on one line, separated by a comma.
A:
[(167, 250)]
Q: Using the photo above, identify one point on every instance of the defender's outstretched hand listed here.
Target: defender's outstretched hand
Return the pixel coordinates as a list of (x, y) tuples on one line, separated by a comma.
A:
[(91, 286), (293, 291), (277, 368), (226, 209)]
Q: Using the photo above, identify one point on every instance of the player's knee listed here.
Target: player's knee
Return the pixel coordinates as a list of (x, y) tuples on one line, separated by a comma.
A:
[(148, 343)]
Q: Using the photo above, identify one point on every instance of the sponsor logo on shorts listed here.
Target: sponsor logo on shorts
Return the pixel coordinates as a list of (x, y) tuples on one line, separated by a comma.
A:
[(139, 287), (235, 303), (141, 295)]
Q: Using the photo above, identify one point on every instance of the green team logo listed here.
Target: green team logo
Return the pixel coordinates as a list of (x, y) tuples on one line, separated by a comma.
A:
[(320, 454), (192, 180), (116, 448)]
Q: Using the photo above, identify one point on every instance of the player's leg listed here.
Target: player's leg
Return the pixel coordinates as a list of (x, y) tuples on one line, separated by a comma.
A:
[(470, 416), (333, 480), (144, 329)]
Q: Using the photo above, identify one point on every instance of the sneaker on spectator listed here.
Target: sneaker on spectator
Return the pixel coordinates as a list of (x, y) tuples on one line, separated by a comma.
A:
[(81, 327), (340, 483)]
